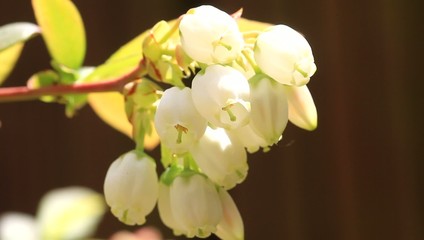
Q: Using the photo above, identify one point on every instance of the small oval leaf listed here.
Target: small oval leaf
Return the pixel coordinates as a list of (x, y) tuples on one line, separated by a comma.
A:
[(8, 58), (63, 31), (13, 33)]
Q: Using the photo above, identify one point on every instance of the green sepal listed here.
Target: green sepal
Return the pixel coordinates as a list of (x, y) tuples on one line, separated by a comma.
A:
[(170, 174), (191, 163), (174, 171), (142, 93), (152, 44), (141, 120), (67, 75), (253, 81), (140, 98), (141, 154), (75, 102)]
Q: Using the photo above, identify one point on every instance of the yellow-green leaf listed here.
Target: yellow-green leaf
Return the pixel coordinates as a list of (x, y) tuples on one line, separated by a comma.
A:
[(111, 70), (8, 58), (13, 33), (63, 31), (251, 25)]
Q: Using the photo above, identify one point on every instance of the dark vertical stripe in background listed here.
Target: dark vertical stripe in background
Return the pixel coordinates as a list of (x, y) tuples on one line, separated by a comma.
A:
[(358, 176)]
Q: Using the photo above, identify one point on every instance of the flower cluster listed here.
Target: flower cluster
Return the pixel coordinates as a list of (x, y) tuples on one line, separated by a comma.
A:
[(245, 89)]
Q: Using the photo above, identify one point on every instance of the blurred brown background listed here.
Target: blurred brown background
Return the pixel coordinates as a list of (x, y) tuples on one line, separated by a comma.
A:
[(358, 176)]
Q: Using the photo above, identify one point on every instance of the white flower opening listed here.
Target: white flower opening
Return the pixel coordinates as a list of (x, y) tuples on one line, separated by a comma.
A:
[(285, 55), (209, 35), (177, 121), (221, 158), (221, 94), (195, 205)]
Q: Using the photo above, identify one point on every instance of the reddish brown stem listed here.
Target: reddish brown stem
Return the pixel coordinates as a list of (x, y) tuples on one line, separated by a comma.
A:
[(23, 93)]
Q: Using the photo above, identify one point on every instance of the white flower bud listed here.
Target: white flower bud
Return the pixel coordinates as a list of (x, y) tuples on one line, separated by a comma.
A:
[(231, 226), (177, 121), (302, 110), (221, 158), (285, 55), (209, 35), (195, 205), (269, 113), (131, 187), (221, 94)]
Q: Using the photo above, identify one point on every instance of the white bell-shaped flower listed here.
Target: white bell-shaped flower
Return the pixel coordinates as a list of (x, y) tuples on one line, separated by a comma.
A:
[(221, 158), (195, 204), (302, 110), (209, 35), (248, 137), (269, 108), (222, 95), (131, 187), (165, 210), (231, 226), (285, 55), (177, 121)]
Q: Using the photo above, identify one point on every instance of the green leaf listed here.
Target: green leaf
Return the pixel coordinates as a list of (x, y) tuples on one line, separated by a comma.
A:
[(44, 79), (63, 31), (110, 70), (8, 60), (18, 32), (133, 48)]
